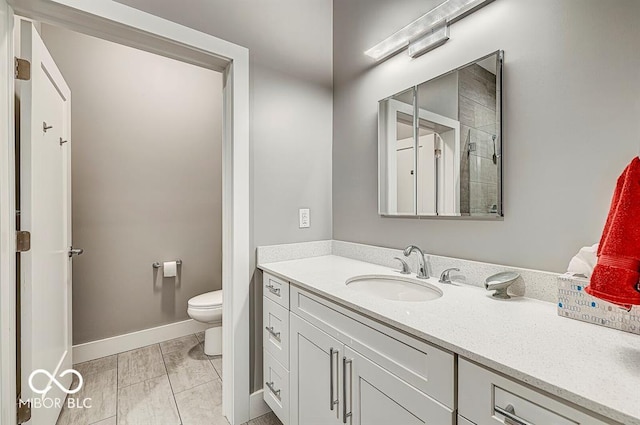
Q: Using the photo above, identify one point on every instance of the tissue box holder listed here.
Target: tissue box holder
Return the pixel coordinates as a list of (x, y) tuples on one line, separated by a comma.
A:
[(575, 303)]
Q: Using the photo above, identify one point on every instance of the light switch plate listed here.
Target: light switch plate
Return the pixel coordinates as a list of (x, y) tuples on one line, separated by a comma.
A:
[(305, 219)]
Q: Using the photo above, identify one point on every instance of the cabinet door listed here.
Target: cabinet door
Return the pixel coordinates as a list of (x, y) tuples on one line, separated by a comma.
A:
[(464, 421), (374, 396), (315, 359)]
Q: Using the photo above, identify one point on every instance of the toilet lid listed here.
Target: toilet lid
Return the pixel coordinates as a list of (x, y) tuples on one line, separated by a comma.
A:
[(208, 299)]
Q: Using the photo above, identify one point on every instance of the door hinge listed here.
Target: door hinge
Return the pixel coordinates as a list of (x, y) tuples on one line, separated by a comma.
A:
[(23, 241), (23, 69), (24, 411)]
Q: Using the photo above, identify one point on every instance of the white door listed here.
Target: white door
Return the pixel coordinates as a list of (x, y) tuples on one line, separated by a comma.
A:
[(427, 175), (315, 386), (405, 179), (45, 278), (376, 397)]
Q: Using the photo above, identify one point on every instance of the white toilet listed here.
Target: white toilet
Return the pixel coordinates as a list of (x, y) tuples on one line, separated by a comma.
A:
[(207, 308)]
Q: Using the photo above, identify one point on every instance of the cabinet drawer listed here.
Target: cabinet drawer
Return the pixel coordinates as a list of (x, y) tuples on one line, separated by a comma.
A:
[(488, 398), (427, 368), (275, 320), (276, 387), (276, 289)]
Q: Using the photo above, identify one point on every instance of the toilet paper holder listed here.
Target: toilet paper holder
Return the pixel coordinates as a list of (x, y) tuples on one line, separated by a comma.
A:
[(157, 265)]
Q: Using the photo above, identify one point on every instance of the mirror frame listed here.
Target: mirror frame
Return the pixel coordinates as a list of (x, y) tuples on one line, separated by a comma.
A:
[(383, 146)]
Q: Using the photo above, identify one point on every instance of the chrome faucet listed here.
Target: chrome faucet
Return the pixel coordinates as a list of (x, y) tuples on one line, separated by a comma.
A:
[(444, 276), (422, 265), (405, 267)]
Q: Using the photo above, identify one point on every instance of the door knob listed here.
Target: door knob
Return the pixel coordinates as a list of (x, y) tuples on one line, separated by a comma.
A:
[(75, 251)]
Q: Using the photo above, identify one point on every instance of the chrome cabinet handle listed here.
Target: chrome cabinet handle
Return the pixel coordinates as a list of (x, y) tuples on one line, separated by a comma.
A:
[(332, 401), (273, 389), (274, 334), (273, 290), (510, 417), (345, 414)]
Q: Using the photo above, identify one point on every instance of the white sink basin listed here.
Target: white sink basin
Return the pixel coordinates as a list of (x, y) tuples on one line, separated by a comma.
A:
[(396, 288)]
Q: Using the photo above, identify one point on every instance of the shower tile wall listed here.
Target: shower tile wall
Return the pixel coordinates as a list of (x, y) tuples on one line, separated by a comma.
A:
[(477, 114)]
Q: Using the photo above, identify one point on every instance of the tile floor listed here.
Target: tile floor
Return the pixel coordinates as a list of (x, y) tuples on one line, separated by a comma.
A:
[(171, 383)]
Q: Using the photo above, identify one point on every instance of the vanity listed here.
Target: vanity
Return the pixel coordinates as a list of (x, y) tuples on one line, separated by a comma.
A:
[(336, 354), (347, 339)]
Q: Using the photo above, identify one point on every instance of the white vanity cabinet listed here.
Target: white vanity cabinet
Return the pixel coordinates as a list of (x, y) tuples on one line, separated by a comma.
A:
[(326, 364), (344, 368), (322, 368)]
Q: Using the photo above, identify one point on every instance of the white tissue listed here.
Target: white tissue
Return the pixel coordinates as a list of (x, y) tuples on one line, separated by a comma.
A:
[(584, 261), (170, 269)]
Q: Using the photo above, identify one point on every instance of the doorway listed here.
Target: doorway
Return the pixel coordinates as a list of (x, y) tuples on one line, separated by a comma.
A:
[(146, 183), (146, 146), (116, 22)]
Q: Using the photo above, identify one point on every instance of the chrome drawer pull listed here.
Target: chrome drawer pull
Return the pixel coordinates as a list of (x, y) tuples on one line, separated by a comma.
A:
[(510, 417), (274, 334), (273, 290), (345, 415), (273, 389), (332, 402)]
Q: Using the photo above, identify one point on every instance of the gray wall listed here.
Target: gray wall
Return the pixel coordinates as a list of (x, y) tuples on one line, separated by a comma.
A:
[(147, 183), (290, 48), (570, 122), (291, 88)]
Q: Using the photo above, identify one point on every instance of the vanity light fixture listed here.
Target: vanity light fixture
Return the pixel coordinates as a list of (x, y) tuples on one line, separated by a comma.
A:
[(435, 38), (426, 32)]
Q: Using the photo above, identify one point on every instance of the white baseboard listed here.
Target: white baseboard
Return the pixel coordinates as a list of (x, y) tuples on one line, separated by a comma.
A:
[(121, 343), (257, 406)]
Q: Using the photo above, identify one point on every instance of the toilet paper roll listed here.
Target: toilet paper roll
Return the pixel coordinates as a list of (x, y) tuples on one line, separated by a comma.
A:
[(170, 269)]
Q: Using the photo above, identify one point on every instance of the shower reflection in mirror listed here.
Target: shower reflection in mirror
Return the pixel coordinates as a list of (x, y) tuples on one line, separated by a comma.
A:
[(440, 145)]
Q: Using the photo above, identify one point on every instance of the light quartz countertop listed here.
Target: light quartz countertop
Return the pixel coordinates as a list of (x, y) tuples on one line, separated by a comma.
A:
[(591, 366)]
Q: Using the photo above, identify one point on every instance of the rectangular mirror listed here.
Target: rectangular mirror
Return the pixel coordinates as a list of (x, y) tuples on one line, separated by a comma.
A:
[(440, 145)]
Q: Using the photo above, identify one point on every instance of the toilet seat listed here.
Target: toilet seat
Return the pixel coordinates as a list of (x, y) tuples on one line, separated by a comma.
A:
[(207, 300)]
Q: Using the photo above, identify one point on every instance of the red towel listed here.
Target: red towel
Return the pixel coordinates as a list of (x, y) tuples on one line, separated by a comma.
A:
[(616, 275)]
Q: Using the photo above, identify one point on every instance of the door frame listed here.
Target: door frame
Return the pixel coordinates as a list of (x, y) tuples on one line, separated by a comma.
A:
[(7, 223), (116, 22)]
